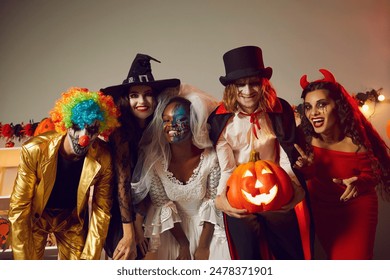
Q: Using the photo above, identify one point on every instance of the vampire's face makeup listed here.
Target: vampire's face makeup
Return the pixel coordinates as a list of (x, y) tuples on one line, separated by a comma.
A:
[(248, 93), (176, 123), (81, 139)]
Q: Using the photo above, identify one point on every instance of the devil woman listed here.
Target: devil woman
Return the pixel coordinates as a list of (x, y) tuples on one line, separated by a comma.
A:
[(345, 161)]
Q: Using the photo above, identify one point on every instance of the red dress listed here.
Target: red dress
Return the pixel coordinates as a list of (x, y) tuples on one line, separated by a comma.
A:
[(346, 230)]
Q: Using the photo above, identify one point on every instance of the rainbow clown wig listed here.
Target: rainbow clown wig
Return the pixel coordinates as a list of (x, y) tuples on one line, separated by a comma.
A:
[(82, 107)]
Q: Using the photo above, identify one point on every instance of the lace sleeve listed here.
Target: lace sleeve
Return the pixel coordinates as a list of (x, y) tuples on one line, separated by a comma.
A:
[(207, 211), (157, 192), (122, 167), (213, 181), (162, 215)]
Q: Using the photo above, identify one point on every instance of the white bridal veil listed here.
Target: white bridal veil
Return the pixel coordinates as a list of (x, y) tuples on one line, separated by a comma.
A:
[(153, 145)]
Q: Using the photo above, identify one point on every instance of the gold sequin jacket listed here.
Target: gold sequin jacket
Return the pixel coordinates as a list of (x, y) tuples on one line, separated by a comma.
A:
[(34, 183)]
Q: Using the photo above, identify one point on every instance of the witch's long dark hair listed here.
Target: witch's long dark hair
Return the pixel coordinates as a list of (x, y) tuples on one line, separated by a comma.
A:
[(124, 143)]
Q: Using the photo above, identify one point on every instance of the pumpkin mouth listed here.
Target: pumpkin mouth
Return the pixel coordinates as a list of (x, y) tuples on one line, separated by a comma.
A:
[(264, 198)]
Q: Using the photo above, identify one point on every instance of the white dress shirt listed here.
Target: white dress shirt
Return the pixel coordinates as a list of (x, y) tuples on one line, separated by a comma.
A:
[(235, 144)]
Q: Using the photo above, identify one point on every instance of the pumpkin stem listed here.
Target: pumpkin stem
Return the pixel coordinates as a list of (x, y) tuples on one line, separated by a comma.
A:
[(254, 156)]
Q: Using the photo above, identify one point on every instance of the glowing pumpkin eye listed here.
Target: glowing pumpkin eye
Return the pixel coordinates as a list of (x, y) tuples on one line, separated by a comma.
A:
[(247, 174), (266, 171)]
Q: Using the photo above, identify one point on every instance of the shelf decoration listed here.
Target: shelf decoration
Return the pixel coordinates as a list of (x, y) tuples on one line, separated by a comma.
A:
[(21, 132), (364, 99), (4, 231)]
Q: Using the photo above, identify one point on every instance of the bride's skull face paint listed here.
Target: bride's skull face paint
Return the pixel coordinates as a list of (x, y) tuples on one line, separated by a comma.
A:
[(82, 139), (176, 122)]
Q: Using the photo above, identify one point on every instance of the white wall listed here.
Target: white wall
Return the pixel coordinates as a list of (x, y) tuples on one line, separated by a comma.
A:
[(47, 46)]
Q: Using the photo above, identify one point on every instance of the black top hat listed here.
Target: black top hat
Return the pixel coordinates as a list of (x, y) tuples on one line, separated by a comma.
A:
[(140, 73), (244, 62)]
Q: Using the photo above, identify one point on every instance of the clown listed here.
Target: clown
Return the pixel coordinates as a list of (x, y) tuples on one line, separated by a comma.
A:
[(81, 115), (55, 178)]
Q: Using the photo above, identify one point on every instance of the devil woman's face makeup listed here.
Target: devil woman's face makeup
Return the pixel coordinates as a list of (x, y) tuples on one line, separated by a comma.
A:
[(320, 110)]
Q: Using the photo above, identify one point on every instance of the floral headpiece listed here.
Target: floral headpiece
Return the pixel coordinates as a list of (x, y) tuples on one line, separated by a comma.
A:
[(80, 106)]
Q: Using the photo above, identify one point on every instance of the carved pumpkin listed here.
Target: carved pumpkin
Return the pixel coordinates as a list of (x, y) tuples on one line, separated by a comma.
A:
[(45, 125), (259, 186)]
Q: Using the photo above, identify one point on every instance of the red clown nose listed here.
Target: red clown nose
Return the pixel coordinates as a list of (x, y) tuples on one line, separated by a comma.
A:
[(84, 140)]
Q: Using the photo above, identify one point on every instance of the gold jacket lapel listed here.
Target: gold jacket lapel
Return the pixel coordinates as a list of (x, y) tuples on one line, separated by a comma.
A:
[(90, 169)]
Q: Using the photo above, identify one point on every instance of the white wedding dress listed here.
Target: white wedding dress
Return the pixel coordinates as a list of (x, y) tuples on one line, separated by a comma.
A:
[(190, 204)]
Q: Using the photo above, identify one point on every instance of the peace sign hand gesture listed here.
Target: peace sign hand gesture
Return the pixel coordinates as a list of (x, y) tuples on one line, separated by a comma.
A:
[(303, 160)]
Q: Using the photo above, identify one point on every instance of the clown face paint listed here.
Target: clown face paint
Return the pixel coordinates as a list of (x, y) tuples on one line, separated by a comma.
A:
[(176, 123), (79, 140)]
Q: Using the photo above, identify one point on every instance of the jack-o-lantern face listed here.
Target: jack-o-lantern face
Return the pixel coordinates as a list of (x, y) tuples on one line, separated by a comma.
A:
[(259, 186), (45, 125)]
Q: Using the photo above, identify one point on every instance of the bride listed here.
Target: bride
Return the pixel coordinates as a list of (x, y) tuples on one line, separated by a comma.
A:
[(179, 172)]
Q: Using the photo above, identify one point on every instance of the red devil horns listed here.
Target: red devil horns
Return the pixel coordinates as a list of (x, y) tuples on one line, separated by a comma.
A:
[(304, 82), (328, 77)]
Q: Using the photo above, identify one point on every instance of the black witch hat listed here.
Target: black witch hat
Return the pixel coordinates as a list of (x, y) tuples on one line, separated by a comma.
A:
[(140, 73)]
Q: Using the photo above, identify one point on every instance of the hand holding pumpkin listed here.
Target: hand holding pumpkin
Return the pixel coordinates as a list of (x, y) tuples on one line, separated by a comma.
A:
[(222, 203)]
